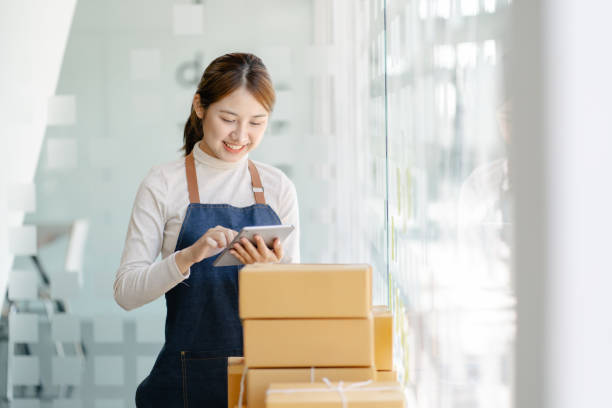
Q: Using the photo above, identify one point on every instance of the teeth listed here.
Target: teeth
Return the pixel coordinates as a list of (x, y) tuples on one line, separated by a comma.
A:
[(234, 147)]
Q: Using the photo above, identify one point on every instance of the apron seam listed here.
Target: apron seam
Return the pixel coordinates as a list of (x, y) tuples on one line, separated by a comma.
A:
[(185, 404), (179, 240), (218, 354), (206, 358)]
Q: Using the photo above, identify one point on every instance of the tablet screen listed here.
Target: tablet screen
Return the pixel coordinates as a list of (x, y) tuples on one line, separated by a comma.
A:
[(267, 232)]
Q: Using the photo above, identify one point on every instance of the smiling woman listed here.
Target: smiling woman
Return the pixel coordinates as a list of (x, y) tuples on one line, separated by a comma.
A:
[(235, 131), (237, 91), (190, 210)]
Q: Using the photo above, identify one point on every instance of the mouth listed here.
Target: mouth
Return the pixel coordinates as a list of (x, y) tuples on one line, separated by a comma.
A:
[(234, 148)]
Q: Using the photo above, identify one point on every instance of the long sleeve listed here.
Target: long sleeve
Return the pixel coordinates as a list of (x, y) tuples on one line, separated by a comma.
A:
[(141, 279)]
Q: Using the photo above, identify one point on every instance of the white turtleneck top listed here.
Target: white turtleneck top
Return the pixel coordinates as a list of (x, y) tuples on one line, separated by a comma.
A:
[(159, 209)]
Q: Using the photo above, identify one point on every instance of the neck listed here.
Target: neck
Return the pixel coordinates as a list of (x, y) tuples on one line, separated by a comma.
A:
[(208, 159), (206, 149)]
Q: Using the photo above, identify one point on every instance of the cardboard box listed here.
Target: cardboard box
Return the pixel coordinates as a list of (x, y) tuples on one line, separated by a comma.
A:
[(386, 375), (259, 379), (271, 291), (308, 343), (383, 338), (309, 395), (235, 367)]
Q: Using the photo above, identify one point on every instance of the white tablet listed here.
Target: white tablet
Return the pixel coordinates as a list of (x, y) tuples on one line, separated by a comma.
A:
[(267, 232)]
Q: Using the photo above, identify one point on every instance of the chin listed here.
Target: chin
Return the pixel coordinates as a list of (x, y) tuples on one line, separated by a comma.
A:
[(232, 157)]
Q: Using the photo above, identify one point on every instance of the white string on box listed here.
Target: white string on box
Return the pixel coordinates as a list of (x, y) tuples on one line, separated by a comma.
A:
[(340, 388), (312, 376)]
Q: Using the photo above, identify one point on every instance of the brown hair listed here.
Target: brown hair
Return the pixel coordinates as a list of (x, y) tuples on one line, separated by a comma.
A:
[(223, 76)]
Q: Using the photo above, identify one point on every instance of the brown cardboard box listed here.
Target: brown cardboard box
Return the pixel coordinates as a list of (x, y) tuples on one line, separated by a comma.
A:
[(259, 379), (270, 291), (382, 375), (383, 338), (377, 394), (235, 367), (308, 343)]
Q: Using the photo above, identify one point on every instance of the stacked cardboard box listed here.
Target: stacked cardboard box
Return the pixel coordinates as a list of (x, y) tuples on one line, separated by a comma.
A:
[(319, 395), (235, 367), (383, 343), (305, 322)]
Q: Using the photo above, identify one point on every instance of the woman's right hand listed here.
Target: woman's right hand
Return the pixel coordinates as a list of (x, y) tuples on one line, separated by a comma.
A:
[(209, 244)]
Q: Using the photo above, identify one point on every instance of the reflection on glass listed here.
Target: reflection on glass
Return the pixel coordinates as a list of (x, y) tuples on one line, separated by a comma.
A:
[(23, 327), (108, 370), (450, 202), (66, 370)]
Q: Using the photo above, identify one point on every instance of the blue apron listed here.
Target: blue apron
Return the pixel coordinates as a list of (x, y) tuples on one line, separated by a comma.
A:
[(202, 323)]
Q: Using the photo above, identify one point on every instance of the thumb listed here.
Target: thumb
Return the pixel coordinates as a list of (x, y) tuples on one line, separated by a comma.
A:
[(211, 242)]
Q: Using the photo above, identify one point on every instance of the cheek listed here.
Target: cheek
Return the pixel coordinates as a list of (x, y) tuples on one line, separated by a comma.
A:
[(257, 134), (215, 131)]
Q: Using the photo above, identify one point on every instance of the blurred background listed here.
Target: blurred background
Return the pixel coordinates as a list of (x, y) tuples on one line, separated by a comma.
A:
[(433, 139)]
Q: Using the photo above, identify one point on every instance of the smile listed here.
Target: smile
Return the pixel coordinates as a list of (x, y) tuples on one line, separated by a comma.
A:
[(233, 148)]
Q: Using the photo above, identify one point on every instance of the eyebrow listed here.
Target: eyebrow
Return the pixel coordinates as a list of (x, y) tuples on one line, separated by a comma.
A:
[(235, 114)]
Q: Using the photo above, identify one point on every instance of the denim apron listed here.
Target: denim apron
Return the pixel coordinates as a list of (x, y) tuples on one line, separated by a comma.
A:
[(202, 323)]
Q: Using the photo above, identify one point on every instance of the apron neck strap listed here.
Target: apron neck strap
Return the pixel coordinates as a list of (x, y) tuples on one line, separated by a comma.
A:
[(258, 190), (192, 181)]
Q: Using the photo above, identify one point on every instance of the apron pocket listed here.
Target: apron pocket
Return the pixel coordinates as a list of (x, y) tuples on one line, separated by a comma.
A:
[(204, 380)]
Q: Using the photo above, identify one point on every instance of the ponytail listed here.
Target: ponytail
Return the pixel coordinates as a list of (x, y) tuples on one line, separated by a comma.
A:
[(193, 132)]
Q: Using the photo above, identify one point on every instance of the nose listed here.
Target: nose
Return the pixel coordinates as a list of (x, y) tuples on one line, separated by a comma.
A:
[(240, 134)]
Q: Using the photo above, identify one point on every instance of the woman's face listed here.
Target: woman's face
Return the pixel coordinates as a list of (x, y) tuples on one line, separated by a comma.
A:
[(233, 126)]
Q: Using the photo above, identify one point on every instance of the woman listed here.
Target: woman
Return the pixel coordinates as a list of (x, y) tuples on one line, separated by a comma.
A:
[(190, 209)]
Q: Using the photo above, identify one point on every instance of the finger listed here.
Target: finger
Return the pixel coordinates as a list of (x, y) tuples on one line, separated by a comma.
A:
[(221, 230), (220, 238), (248, 246), (278, 249), (229, 234), (223, 235), (261, 246), (243, 253), (238, 256), (211, 242)]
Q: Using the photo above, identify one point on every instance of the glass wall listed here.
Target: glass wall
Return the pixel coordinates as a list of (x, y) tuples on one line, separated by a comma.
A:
[(450, 200), (423, 118)]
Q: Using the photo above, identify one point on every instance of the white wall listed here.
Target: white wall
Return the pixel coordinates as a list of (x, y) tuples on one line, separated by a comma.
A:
[(564, 147), (33, 36)]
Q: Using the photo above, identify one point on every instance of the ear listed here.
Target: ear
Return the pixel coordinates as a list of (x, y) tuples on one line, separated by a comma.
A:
[(197, 106)]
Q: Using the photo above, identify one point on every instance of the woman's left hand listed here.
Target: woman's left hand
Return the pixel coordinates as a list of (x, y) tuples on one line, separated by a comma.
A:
[(248, 253)]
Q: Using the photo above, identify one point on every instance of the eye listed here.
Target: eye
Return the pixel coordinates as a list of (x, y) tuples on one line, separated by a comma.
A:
[(227, 120), (255, 124)]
